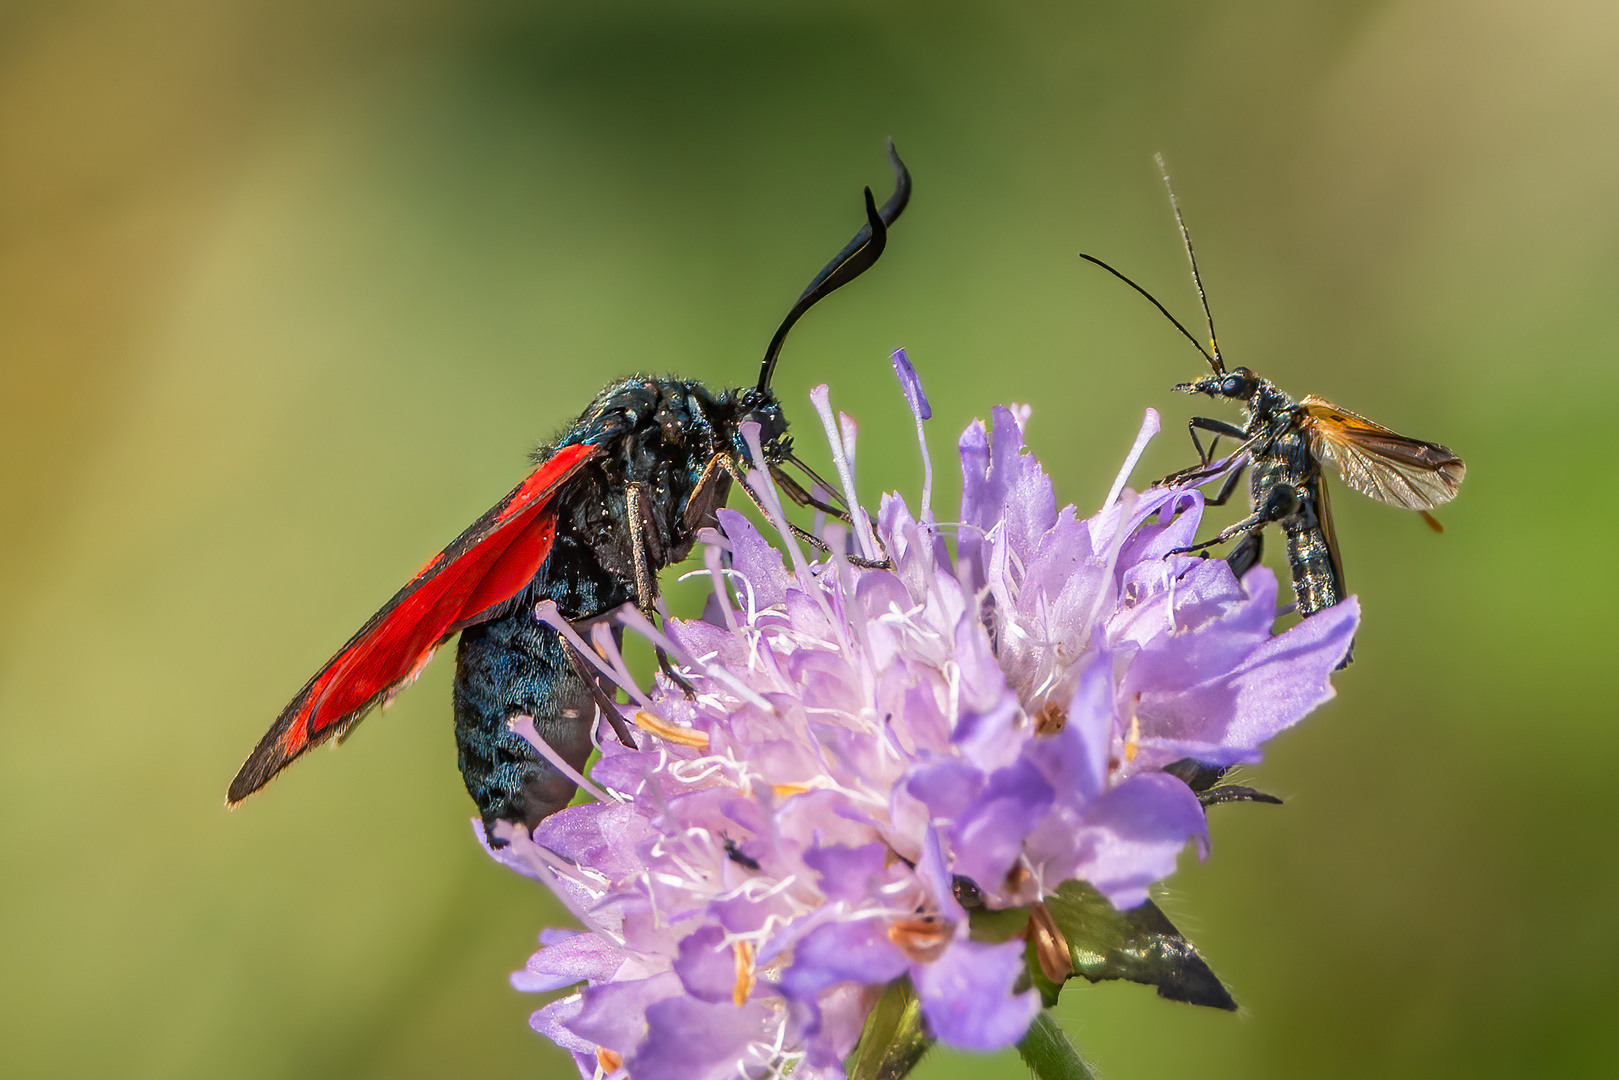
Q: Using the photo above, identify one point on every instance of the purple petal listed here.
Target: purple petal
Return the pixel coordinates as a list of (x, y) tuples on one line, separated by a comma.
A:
[(1027, 499), (836, 952), (706, 967), (976, 499), (573, 959), (839, 1014), (755, 560), (552, 1021), (694, 1040), (946, 787), (1215, 624), (1273, 687), (989, 835), (1074, 759), (967, 995), (614, 1014), (601, 835), (846, 872), (932, 871), (1135, 832)]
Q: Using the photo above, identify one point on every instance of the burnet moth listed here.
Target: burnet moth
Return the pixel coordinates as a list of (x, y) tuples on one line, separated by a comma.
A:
[(618, 497)]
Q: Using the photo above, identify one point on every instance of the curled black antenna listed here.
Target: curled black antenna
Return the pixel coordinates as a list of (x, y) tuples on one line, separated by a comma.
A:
[(1197, 279), (856, 258), (1196, 344)]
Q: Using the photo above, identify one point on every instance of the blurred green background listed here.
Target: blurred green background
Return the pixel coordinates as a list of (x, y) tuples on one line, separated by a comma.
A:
[(288, 289)]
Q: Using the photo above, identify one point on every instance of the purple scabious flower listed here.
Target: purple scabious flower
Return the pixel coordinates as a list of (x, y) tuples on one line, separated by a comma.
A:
[(866, 747)]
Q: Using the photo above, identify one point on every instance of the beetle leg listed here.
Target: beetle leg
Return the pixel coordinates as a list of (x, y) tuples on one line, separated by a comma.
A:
[(1246, 554), (1228, 487), (1214, 427), (1282, 502)]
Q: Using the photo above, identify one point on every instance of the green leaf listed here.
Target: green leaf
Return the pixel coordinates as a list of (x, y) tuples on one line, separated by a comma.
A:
[(1141, 945), (994, 927), (894, 1038), (1048, 1053)]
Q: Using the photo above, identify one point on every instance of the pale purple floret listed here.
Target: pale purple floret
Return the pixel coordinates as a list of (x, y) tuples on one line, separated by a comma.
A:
[(782, 844)]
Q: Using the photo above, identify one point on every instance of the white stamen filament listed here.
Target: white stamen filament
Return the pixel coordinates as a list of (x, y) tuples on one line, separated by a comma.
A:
[(524, 726), (1149, 427)]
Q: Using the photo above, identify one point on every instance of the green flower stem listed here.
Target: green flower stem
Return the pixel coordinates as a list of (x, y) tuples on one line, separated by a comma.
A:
[(1048, 1053)]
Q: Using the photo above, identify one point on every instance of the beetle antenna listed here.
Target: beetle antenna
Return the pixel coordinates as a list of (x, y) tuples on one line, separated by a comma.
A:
[(1198, 345), (1197, 279), (857, 256)]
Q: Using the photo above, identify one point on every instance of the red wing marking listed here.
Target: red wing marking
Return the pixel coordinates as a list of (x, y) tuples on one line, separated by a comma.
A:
[(486, 565)]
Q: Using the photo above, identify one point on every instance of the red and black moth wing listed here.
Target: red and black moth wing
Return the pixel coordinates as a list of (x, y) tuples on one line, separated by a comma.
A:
[(1384, 464), (486, 565)]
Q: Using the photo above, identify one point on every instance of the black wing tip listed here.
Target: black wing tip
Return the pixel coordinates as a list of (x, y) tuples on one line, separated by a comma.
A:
[(259, 769)]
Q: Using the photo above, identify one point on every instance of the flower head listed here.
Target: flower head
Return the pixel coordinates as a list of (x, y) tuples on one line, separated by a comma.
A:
[(868, 750)]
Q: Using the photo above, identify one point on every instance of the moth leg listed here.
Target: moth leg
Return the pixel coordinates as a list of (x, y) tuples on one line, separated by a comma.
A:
[(804, 536), (697, 505), (605, 703), (741, 481), (646, 581), (795, 491), (836, 495), (1282, 502)]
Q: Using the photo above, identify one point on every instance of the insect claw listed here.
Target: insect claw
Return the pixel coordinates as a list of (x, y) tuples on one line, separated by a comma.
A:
[(674, 676)]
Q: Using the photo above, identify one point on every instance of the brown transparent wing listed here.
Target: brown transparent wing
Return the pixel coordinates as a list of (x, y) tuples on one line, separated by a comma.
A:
[(1375, 461), (1323, 517)]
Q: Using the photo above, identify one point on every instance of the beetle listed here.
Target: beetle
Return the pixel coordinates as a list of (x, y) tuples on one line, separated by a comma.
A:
[(1286, 442)]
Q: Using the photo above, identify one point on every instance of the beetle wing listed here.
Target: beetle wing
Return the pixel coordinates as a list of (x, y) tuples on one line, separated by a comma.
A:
[(1383, 464), (488, 564), (1323, 517)]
